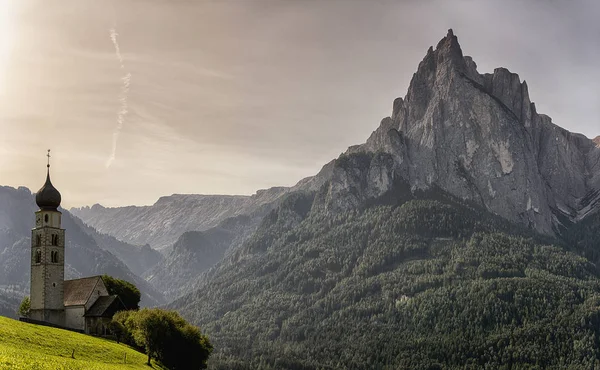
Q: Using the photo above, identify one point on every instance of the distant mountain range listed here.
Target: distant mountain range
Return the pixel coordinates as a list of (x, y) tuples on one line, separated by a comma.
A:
[(161, 224)]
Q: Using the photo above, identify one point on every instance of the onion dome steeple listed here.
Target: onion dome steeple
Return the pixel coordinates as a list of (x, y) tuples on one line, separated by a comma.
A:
[(48, 197)]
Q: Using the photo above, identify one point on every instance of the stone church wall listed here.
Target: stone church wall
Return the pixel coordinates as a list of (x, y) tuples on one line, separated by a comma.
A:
[(55, 317), (37, 284), (97, 325), (74, 317), (37, 315), (55, 274), (47, 275)]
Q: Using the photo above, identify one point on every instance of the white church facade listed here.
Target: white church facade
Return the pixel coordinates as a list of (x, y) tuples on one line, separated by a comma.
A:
[(80, 304)]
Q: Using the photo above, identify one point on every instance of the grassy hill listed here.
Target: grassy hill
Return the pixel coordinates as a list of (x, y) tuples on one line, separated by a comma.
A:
[(27, 346)]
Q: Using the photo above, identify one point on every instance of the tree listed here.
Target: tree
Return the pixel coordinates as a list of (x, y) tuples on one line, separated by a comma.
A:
[(148, 329), (119, 326), (128, 293), (189, 340), (117, 329), (168, 338), (24, 307)]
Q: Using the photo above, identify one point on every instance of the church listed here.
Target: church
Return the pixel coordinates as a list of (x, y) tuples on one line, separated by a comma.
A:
[(80, 304)]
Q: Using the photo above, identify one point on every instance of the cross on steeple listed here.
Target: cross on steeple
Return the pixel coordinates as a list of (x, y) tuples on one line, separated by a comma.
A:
[(48, 155)]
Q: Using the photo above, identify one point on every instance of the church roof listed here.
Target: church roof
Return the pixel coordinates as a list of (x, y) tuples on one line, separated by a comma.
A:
[(78, 291), (48, 197), (106, 306)]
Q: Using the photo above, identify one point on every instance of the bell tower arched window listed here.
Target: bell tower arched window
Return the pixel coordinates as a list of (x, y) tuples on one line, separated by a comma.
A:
[(38, 240), (54, 256), (38, 256), (54, 239), (46, 218)]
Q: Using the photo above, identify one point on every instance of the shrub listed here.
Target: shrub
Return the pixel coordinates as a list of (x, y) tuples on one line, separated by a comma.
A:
[(24, 307)]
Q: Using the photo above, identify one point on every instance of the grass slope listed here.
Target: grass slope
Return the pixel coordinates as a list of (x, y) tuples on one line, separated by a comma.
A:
[(27, 346)]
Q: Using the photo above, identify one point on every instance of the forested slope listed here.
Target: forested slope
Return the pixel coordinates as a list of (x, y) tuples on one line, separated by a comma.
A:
[(420, 284)]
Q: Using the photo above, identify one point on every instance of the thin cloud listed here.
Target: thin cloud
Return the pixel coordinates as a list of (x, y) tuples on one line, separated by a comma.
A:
[(123, 96)]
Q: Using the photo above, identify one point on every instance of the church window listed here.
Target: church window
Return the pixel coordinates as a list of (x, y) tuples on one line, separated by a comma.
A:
[(38, 240), (46, 218), (54, 239), (54, 256), (54, 285), (38, 256)]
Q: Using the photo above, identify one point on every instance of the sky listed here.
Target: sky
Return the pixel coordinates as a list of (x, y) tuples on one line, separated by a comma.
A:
[(144, 98)]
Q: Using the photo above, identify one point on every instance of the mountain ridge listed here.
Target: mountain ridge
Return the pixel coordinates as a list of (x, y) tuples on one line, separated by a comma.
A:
[(161, 224)]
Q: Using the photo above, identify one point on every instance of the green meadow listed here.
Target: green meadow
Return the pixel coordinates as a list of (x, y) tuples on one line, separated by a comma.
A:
[(30, 347)]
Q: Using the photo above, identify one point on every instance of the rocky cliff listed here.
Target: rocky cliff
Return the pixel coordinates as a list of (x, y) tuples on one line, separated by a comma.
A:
[(480, 138)]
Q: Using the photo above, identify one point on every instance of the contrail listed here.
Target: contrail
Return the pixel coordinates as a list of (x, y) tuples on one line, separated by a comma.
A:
[(123, 109), (113, 37)]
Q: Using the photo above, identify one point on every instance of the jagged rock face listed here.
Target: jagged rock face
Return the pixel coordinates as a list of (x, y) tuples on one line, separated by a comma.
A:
[(480, 138), (354, 179)]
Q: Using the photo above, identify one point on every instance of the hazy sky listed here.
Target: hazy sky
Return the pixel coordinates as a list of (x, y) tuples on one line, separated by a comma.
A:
[(236, 95)]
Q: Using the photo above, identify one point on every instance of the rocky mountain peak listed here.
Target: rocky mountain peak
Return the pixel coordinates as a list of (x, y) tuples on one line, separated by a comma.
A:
[(449, 52), (437, 66), (479, 138), (597, 141)]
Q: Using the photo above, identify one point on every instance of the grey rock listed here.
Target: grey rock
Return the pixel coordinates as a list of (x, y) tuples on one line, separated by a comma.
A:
[(480, 138)]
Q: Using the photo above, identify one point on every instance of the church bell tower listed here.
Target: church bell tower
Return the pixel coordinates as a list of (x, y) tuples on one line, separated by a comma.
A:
[(48, 257)]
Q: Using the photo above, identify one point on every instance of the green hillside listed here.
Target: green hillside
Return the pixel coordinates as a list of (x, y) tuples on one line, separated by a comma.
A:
[(33, 347)]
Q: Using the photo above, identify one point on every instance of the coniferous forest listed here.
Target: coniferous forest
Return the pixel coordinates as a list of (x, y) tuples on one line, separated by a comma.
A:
[(420, 283)]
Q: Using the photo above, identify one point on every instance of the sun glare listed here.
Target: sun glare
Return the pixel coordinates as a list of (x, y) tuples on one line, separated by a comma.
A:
[(7, 37)]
